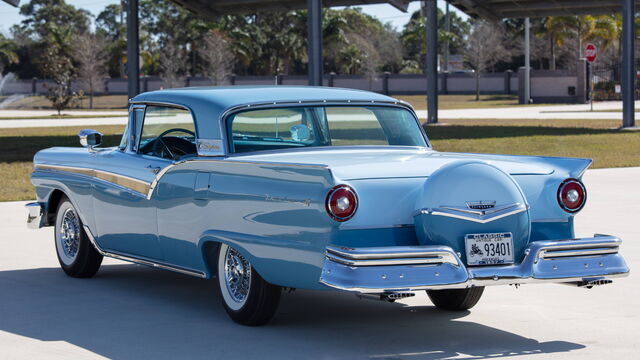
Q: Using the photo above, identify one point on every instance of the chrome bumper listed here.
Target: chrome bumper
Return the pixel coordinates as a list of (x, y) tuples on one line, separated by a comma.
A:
[(583, 261), (35, 219)]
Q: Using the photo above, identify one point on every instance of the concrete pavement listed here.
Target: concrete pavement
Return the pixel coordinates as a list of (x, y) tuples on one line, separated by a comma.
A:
[(579, 111), (604, 110), (132, 312)]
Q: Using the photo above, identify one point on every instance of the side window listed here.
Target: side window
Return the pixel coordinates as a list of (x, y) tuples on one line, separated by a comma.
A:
[(167, 132), (130, 133), (271, 129)]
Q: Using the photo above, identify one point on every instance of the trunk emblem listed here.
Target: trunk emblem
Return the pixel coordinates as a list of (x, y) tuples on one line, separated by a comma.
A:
[(481, 205)]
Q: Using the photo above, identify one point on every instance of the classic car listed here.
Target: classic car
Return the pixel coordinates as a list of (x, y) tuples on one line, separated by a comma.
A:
[(272, 188)]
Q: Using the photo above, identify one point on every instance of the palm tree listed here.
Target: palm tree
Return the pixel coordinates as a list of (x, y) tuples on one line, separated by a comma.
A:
[(351, 59), (584, 28), (7, 53)]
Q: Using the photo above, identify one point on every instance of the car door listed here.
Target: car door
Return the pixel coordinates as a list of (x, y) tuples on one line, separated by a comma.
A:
[(125, 209)]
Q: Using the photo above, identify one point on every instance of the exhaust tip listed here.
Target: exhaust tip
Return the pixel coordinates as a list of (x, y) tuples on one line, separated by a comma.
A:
[(589, 283)]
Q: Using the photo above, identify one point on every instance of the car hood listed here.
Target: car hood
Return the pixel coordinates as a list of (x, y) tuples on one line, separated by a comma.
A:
[(370, 163)]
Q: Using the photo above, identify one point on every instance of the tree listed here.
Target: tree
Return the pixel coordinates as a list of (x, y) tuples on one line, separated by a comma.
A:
[(110, 26), (370, 57), (173, 61), (8, 53), (164, 24), (414, 35), (484, 48), (58, 66), (218, 58), (89, 52), (41, 16)]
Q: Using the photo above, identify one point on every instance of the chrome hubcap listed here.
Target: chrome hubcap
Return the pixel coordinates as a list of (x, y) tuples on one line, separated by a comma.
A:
[(237, 273), (70, 233)]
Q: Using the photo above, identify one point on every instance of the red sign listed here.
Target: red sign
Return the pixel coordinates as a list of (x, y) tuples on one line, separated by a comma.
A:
[(590, 52)]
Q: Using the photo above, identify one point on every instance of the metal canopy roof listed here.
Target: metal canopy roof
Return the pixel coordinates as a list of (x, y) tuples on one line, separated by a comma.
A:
[(501, 9), (213, 8), (12, 2)]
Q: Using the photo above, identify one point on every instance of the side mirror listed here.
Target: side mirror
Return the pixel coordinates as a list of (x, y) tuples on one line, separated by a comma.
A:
[(90, 138)]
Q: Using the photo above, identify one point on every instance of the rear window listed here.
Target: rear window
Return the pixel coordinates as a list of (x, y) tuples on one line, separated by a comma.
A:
[(297, 127)]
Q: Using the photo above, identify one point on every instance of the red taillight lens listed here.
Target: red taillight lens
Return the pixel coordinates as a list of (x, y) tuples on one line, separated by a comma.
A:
[(341, 203), (572, 195)]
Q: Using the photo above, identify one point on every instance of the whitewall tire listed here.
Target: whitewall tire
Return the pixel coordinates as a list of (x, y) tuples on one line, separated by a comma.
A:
[(247, 298)]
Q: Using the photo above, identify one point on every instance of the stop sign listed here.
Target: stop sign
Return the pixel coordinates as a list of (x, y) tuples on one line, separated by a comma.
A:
[(590, 52)]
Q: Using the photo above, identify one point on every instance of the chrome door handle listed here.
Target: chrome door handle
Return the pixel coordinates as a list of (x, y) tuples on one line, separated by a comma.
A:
[(154, 169)]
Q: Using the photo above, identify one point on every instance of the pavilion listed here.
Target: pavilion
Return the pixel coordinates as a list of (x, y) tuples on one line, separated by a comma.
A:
[(489, 9)]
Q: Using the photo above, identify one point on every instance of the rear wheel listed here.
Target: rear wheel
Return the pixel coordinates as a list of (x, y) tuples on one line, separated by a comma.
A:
[(456, 299), (76, 255), (247, 298)]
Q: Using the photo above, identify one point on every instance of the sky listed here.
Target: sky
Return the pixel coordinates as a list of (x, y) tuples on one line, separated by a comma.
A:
[(10, 16)]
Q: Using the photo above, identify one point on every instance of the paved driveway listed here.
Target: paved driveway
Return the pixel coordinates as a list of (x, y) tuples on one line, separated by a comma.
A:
[(133, 312)]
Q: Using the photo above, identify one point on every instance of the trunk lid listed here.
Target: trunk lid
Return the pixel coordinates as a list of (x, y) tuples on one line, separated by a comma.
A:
[(377, 163)]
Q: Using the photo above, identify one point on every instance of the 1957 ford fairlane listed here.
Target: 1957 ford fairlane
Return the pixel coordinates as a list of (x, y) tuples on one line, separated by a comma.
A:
[(269, 188)]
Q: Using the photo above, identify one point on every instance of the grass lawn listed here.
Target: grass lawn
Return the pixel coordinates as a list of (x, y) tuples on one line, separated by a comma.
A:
[(445, 102), (103, 102), (107, 102), (63, 116), (574, 138)]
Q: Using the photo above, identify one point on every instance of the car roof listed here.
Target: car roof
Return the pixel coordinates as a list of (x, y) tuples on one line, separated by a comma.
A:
[(207, 104)]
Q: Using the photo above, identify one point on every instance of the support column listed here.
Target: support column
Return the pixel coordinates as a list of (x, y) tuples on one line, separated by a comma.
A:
[(432, 61), (447, 28), (314, 38), (133, 49), (527, 61), (628, 63)]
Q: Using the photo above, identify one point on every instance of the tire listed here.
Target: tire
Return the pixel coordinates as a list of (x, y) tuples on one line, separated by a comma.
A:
[(76, 255), (247, 298), (456, 299)]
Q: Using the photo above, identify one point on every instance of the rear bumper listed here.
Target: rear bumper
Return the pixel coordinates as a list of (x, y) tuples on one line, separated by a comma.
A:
[(586, 261)]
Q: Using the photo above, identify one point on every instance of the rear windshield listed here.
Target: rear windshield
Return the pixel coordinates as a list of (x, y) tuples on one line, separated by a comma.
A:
[(297, 127)]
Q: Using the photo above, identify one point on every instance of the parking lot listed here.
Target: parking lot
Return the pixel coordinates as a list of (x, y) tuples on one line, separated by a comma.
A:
[(132, 312)]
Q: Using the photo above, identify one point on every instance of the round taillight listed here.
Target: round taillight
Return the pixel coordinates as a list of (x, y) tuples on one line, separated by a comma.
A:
[(572, 195), (341, 203)]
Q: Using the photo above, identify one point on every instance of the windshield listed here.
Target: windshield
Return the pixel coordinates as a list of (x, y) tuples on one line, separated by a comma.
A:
[(296, 127)]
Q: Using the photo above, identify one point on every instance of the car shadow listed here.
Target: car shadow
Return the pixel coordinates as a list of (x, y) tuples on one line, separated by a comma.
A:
[(131, 312)]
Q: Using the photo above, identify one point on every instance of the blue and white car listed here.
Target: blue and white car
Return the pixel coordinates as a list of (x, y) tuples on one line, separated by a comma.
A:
[(272, 188)]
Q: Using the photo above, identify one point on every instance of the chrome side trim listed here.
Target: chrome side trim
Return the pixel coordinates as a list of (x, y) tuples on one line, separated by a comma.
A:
[(35, 219), (139, 186), (167, 168), (369, 227), (558, 220), (478, 216), (140, 261)]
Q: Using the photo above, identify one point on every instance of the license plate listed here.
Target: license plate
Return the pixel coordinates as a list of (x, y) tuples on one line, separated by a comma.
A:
[(489, 249)]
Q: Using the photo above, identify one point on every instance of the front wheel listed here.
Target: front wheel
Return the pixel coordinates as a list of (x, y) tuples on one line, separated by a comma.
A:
[(247, 298), (456, 299), (77, 256)]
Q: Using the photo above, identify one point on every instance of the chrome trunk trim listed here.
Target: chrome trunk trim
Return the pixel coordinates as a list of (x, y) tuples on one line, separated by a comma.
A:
[(479, 216), (141, 261)]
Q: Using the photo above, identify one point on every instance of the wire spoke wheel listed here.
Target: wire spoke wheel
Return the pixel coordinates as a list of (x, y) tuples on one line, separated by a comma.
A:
[(69, 236), (77, 256), (246, 296), (237, 274)]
